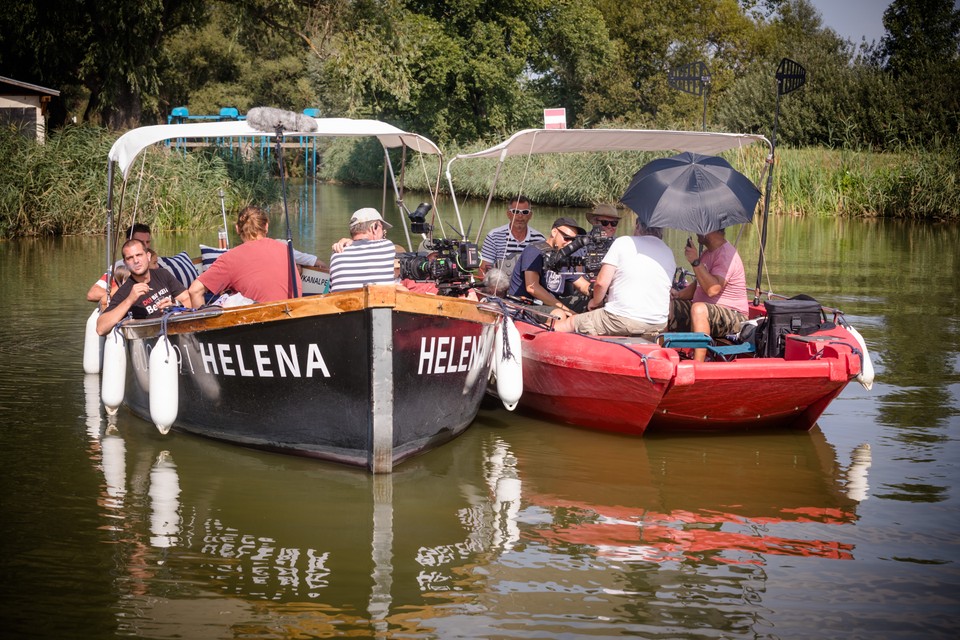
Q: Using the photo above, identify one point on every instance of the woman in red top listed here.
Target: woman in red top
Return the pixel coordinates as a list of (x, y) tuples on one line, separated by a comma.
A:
[(258, 269)]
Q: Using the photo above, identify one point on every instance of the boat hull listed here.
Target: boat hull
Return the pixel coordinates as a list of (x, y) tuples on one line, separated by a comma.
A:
[(751, 393), (611, 384), (601, 383), (366, 378)]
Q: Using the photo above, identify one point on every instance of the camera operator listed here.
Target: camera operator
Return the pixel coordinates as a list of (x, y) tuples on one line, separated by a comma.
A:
[(637, 272), (367, 258), (530, 276), (605, 217)]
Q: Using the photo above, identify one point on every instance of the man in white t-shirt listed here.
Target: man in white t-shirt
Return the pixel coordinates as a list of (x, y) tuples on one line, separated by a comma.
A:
[(632, 293)]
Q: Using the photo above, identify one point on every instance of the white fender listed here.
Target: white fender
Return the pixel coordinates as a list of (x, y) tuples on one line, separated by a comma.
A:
[(114, 376), (865, 377), (164, 390), (509, 368), (92, 344)]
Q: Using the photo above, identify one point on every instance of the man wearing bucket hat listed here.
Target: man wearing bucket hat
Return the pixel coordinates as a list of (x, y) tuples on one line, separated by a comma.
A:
[(368, 258), (605, 218), (530, 278)]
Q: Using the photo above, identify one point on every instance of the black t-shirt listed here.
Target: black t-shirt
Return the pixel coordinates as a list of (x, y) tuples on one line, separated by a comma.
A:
[(162, 284)]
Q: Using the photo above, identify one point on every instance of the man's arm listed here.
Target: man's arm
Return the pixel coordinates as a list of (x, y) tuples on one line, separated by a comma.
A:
[(711, 284), (536, 290), (600, 287), (109, 319), (96, 293), (195, 294)]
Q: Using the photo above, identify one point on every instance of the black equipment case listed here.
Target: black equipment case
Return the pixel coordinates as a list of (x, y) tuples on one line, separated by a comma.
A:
[(801, 315)]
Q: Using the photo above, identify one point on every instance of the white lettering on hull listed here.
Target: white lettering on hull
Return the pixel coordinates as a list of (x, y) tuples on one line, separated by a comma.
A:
[(448, 354), (282, 360)]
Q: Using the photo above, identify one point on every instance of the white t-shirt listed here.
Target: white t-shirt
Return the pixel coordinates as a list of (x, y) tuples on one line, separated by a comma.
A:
[(641, 285)]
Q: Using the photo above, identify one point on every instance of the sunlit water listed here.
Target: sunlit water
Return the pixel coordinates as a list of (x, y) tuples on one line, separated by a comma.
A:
[(519, 528)]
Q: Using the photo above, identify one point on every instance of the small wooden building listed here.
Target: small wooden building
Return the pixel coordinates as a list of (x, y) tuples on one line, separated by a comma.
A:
[(24, 105)]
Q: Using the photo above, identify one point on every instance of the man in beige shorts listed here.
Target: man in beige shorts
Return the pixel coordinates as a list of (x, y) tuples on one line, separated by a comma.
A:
[(632, 293)]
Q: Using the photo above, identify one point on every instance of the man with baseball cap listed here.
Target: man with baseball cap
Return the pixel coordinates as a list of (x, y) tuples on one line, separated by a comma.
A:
[(369, 256), (530, 278)]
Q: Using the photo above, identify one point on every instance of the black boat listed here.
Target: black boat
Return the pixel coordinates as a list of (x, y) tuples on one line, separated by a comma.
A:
[(367, 377)]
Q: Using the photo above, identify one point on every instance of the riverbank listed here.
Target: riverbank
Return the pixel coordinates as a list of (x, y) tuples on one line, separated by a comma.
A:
[(59, 188)]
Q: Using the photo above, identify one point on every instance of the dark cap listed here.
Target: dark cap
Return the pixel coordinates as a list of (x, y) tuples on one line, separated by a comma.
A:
[(569, 222)]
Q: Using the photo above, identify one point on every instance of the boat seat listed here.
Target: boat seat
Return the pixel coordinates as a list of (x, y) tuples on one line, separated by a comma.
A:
[(677, 340), (694, 340), (728, 352)]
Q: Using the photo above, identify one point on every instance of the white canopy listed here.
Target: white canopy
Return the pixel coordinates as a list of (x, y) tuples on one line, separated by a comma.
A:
[(536, 141), (128, 146)]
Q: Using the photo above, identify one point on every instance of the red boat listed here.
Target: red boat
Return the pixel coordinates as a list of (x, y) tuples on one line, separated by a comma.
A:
[(627, 384)]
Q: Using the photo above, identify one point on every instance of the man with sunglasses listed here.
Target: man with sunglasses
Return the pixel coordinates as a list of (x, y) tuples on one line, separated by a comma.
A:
[(605, 219), (511, 238), (531, 279)]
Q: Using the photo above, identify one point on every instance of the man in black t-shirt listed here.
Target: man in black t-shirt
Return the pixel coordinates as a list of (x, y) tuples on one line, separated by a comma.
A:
[(145, 294)]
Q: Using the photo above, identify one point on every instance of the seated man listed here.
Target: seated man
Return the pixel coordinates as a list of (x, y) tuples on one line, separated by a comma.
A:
[(531, 279), (716, 302), (605, 218), (512, 237), (98, 290), (635, 279), (368, 258), (145, 294)]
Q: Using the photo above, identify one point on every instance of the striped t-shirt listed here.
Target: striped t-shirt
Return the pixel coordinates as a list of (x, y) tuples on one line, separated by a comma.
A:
[(500, 243), (363, 262)]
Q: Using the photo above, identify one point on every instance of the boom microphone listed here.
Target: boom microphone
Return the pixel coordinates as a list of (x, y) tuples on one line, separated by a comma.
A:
[(270, 119)]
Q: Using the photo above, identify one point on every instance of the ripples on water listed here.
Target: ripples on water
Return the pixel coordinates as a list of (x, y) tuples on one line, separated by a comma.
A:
[(519, 528)]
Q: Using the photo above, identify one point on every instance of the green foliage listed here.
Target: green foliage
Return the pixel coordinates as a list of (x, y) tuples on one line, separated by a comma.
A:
[(920, 32)]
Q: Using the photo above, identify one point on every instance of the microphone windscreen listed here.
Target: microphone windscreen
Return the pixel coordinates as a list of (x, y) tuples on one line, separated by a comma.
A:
[(270, 119)]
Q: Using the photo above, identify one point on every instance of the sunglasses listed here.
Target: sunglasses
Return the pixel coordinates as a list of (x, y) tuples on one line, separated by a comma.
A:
[(565, 236), (520, 212), (609, 223)]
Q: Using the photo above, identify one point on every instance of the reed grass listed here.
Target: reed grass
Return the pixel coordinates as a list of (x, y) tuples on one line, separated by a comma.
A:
[(59, 188)]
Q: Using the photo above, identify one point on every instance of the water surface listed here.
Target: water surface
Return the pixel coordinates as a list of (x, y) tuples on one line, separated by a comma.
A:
[(518, 529)]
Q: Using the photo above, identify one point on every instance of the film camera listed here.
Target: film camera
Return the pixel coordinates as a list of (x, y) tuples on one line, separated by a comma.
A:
[(446, 262), (595, 246)]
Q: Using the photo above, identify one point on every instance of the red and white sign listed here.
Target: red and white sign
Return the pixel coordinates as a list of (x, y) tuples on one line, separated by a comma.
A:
[(554, 118)]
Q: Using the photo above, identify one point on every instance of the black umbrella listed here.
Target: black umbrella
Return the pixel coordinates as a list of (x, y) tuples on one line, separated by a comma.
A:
[(691, 192)]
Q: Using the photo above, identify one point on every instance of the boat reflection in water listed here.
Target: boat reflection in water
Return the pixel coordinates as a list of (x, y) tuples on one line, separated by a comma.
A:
[(560, 530), (718, 498)]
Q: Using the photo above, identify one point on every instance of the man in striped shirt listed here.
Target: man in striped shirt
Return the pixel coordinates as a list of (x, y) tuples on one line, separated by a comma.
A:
[(511, 238), (368, 258)]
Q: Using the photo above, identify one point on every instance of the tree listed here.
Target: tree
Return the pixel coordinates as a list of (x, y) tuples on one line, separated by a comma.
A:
[(110, 48), (919, 32)]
